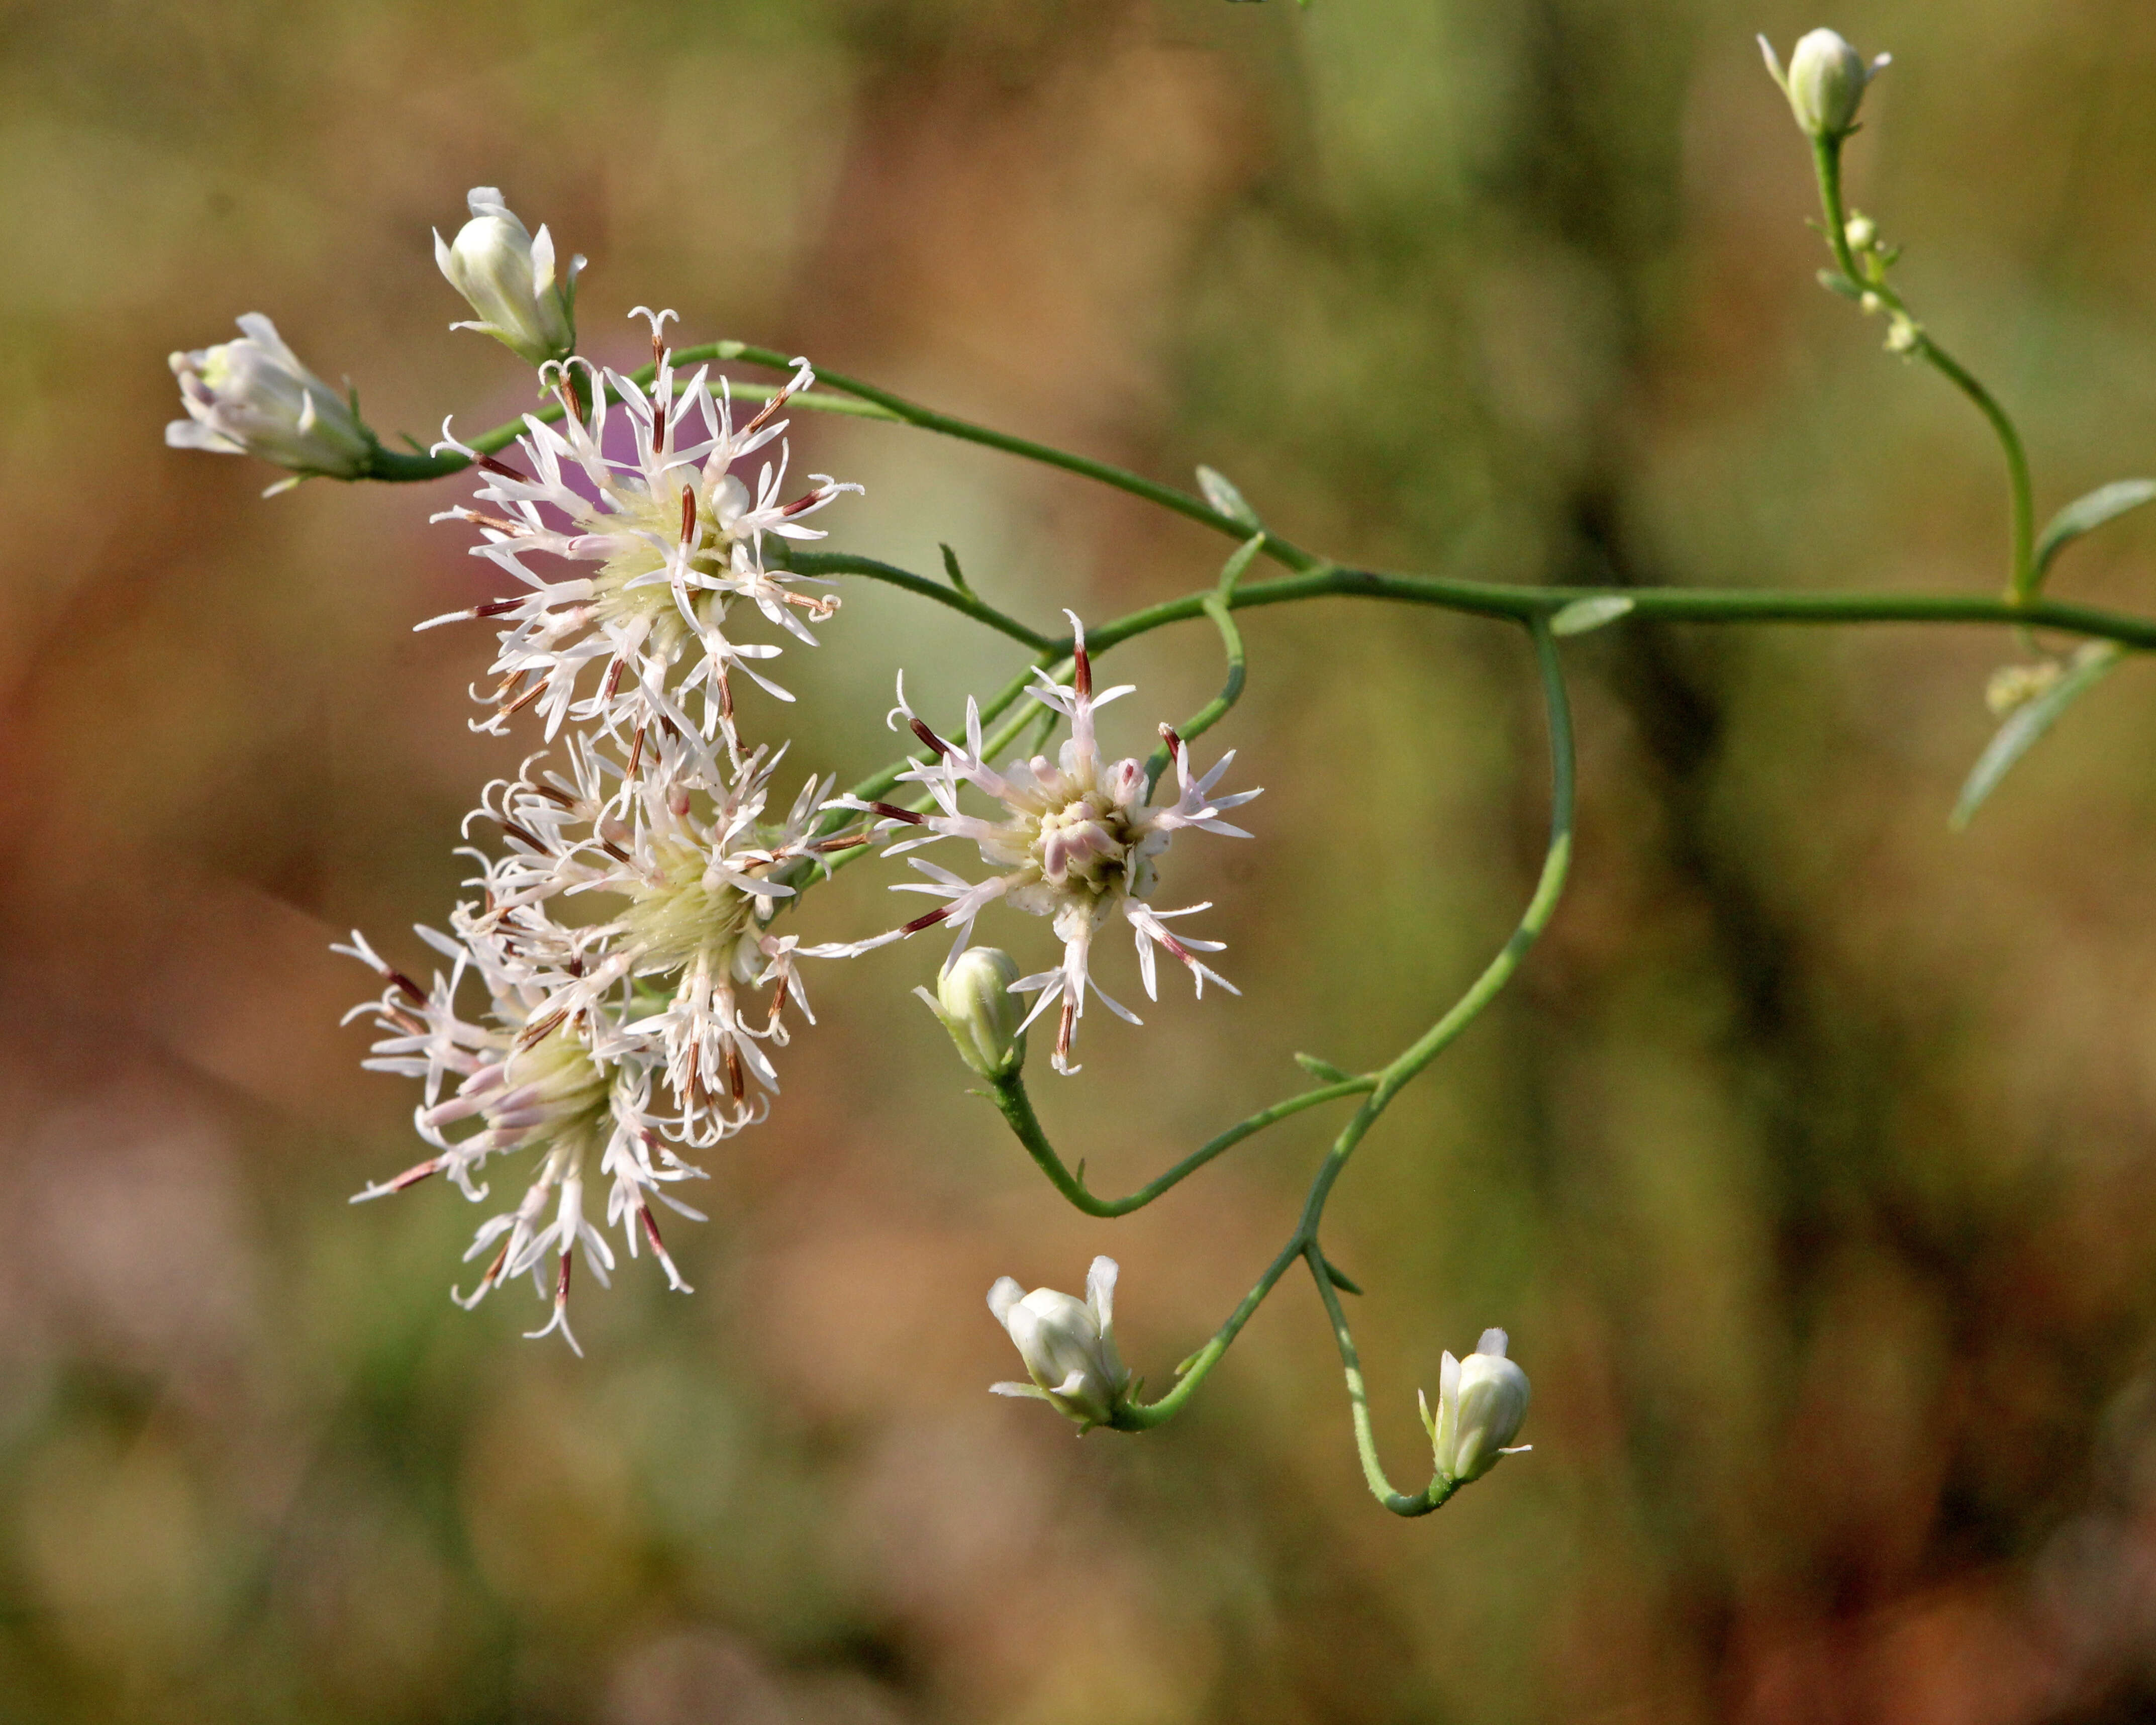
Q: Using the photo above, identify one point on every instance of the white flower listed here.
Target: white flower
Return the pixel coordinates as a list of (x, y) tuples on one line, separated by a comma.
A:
[(1825, 82), (682, 850), (974, 1000), (1480, 1403), (1068, 1344), (253, 396), (508, 276), (1078, 844), (566, 1085), (675, 535)]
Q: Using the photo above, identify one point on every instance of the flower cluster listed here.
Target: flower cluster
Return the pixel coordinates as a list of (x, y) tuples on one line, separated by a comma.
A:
[(614, 989)]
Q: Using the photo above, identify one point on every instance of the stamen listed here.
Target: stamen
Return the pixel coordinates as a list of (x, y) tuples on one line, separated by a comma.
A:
[(688, 517), (927, 735), (929, 920), (495, 607), (536, 1031), (524, 700), (635, 754), (891, 811), (500, 468), (1081, 676), (525, 833)]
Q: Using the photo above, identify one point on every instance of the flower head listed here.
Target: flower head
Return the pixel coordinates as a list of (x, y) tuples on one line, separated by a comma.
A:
[(1481, 1401), (1068, 1345), (528, 1077), (253, 396), (508, 277), (1078, 842), (1825, 82), (671, 537)]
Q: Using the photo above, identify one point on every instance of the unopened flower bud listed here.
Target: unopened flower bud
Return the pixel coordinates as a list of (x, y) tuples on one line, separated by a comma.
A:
[(1480, 1402), (1068, 1345), (1825, 81), (2014, 686), (973, 1000), (508, 276), (1862, 232), (253, 396)]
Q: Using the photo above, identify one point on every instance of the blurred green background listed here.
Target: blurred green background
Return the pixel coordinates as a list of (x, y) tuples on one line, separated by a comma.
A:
[(1808, 1163)]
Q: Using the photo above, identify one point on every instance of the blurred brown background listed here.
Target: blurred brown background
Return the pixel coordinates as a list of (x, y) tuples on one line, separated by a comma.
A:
[(1809, 1164)]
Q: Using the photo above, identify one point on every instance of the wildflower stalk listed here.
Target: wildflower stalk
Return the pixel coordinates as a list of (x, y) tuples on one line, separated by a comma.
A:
[(1826, 160), (1377, 1089)]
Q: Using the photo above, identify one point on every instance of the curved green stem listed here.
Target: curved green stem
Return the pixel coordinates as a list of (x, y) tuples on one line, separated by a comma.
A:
[(1215, 605), (1826, 158), (1395, 1076), (1010, 1096), (863, 400), (1400, 1503), (960, 600)]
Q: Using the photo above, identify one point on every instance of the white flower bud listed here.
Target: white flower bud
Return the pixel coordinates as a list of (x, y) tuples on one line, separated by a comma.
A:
[(253, 396), (1862, 232), (973, 1000), (508, 276), (1825, 81), (1068, 1344), (1480, 1402)]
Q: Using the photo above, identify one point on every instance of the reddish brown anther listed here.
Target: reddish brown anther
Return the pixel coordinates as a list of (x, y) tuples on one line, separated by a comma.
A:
[(891, 811), (525, 833), (929, 920), (927, 735), (688, 517), (501, 469)]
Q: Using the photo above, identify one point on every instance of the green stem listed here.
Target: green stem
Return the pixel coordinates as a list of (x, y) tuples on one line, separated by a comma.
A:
[(1400, 1503), (957, 598), (1215, 605), (1010, 1096), (868, 401), (1549, 888), (1826, 157)]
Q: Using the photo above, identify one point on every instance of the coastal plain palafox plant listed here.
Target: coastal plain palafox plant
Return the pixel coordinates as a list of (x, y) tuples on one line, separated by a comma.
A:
[(617, 990)]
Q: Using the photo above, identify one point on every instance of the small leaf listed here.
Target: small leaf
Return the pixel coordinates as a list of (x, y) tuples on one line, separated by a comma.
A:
[(1338, 1277), (1221, 493), (1239, 562), (1322, 1069), (1582, 615), (2085, 515), (2022, 729), (952, 569), (1834, 281)]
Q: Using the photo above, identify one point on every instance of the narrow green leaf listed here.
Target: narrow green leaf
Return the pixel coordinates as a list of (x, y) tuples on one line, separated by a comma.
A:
[(1835, 282), (1322, 1069), (1338, 1277), (1582, 615), (2085, 515), (952, 569), (2024, 727), (1221, 493)]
